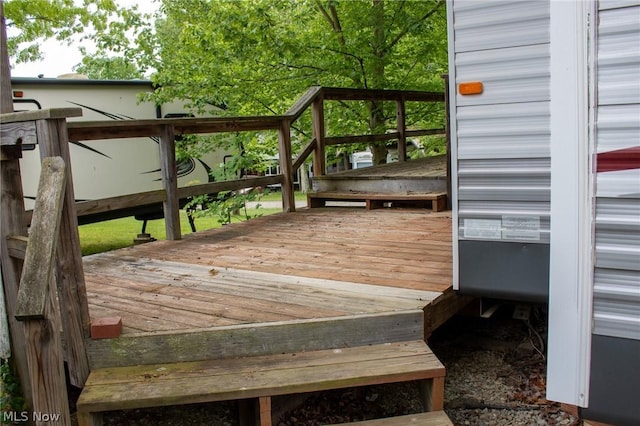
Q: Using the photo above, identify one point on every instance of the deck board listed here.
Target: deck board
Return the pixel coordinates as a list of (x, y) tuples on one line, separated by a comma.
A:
[(286, 267)]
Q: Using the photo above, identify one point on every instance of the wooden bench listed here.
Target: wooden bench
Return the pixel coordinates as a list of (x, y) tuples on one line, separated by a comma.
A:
[(254, 380), (375, 200), (434, 418)]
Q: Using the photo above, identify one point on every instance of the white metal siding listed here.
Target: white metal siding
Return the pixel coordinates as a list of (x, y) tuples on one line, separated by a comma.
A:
[(502, 136), (617, 239)]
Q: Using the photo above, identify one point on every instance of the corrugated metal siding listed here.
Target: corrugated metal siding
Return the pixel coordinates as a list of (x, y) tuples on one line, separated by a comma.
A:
[(617, 239), (481, 25), (503, 135)]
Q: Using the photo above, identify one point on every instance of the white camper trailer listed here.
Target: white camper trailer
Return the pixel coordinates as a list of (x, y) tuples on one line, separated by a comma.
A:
[(106, 168), (545, 122)]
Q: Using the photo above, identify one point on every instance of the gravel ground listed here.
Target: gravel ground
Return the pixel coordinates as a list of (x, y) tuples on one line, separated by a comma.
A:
[(495, 376)]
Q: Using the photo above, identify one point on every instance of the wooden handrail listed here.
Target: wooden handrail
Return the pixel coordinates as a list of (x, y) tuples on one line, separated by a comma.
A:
[(167, 128)]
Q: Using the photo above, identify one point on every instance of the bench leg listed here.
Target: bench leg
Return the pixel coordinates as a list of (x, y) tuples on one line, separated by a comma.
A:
[(439, 204), (374, 204), (313, 202), (432, 392), (89, 419), (255, 411)]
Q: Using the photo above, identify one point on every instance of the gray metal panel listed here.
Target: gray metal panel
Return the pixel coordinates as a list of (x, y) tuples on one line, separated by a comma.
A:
[(514, 130), (614, 4), (619, 56), (616, 300), (615, 381), (495, 24), (509, 74), (618, 125), (502, 140), (503, 270)]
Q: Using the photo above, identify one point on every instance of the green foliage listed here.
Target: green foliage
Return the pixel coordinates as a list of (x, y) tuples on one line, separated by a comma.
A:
[(101, 67), (226, 205), (11, 396), (31, 21), (257, 57)]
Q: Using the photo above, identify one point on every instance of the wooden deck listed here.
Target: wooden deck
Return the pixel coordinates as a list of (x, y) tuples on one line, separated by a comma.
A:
[(286, 270)]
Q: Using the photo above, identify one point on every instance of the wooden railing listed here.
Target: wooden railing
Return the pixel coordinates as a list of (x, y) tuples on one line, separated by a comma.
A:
[(51, 131), (167, 129)]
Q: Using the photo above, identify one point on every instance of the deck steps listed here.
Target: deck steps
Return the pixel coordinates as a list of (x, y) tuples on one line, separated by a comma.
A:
[(434, 418), (256, 379), (375, 200)]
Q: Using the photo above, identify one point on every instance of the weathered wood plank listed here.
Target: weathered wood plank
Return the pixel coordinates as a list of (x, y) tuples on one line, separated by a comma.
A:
[(40, 114), (96, 130), (37, 296), (239, 378), (434, 418), (319, 155), (17, 246), (346, 140), (286, 168), (41, 249), (171, 205), (11, 220), (72, 296), (13, 223), (261, 339), (339, 93), (228, 185), (306, 151), (303, 102), (18, 134), (402, 129)]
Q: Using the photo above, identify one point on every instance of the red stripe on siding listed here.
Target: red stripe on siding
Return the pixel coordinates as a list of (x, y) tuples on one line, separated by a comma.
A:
[(620, 159)]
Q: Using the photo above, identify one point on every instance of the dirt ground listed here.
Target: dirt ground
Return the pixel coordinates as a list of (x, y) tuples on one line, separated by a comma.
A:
[(495, 376)]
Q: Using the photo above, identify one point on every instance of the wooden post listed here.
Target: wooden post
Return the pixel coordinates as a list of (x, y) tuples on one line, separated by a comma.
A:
[(317, 116), (447, 127), (171, 205), (38, 300), (286, 166), (402, 128), (72, 293), (12, 219)]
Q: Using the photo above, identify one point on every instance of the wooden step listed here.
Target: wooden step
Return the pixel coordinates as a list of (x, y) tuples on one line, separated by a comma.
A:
[(434, 418), (256, 379), (376, 200)]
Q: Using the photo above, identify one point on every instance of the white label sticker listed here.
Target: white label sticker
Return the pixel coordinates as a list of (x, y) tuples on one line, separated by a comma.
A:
[(521, 228), (486, 229)]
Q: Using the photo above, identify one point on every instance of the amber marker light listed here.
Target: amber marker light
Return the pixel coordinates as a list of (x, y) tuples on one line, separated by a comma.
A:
[(470, 88), (18, 94)]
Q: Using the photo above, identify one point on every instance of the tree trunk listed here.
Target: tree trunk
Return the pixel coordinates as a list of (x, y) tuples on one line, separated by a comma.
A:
[(376, 109)]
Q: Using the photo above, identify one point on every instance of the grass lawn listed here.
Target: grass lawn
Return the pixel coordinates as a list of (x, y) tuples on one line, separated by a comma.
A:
[(118, 233), (273, 195)]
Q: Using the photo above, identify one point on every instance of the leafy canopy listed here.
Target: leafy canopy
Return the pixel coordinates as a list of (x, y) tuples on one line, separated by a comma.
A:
[(250, 57)]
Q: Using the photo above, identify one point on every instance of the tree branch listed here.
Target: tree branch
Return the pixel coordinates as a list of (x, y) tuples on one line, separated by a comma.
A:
[(404, 32), (324, 12)]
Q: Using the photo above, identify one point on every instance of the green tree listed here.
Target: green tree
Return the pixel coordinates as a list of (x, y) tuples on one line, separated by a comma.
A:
[(101, 67), (257, 57), (103, 22)]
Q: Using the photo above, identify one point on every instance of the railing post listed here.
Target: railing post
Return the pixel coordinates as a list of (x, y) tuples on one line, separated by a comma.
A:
[(402, 127), (12, 219), (286, 166), (447, 127), (171, 205), (54, 142), (317, 116)]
